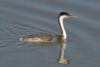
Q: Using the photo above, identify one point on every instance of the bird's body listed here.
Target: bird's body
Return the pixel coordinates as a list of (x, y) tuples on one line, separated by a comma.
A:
[(41, 37), (48, 37)]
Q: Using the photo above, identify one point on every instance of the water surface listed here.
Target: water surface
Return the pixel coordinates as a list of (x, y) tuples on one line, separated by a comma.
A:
[(23, 17)]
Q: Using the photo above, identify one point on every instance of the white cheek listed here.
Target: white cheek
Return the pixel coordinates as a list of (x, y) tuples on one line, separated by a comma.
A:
[(62, 17)]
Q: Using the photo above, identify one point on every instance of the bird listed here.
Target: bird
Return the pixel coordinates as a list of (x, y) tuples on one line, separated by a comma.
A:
[(49, 37)]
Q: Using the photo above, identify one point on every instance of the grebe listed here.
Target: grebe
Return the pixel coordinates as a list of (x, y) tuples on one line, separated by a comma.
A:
[(47, 37)]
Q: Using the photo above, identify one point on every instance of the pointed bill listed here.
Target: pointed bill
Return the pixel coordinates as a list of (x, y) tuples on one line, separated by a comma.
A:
[(73, 16)]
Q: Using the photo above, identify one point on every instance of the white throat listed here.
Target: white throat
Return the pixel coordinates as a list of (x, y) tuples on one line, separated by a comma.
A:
[(63, 32)]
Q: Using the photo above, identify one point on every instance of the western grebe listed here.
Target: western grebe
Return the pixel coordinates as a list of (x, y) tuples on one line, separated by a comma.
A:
[(47, 37)]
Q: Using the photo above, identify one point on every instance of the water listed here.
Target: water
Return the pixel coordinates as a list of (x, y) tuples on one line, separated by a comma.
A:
[(23, 17)]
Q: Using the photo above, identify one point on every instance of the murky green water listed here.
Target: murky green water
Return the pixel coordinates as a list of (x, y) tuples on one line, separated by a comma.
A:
[(23, 17)]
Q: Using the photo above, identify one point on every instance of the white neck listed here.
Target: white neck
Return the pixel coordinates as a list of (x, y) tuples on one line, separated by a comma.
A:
[(63, 32)]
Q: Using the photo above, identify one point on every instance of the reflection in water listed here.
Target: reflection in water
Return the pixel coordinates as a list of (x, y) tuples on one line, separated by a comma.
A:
[(38, 44), (61, 58)]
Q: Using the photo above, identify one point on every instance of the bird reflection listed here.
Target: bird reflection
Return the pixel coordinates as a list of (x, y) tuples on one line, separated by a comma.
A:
[(61, 58)]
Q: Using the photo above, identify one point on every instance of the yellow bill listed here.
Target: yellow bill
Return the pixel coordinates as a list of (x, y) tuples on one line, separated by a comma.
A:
[(73, 16)]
